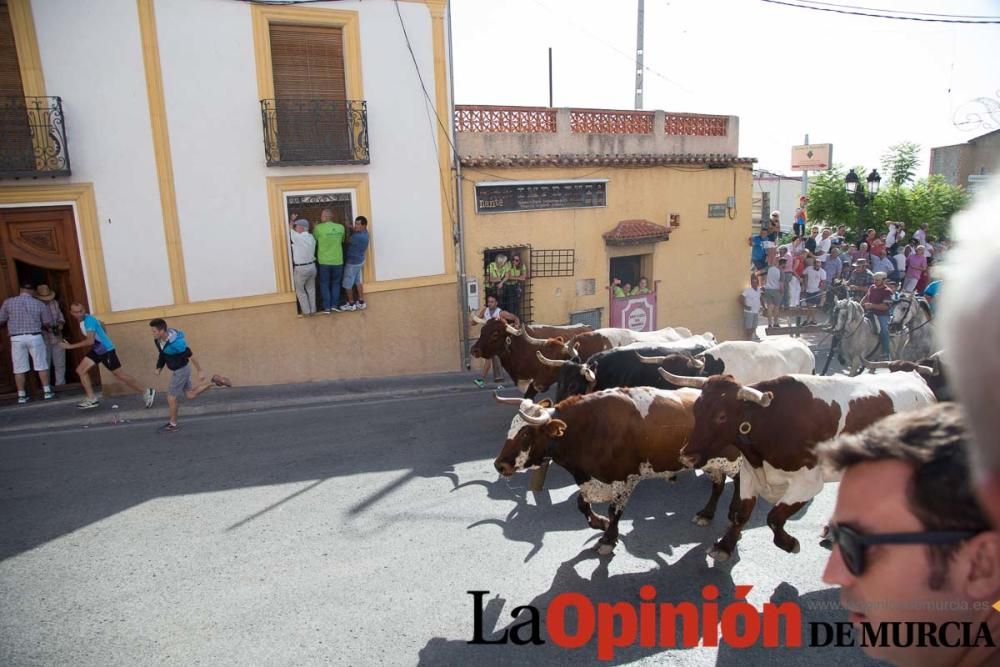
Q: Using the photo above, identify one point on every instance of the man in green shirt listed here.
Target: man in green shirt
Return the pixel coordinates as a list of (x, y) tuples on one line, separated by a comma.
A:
[(330, 258)]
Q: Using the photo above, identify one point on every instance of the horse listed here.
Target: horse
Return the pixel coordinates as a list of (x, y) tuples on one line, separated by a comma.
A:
[(911, 320), (858, 341)]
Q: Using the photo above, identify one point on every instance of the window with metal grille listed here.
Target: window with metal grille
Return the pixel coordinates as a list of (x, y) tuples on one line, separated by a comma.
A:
[(514, 297), (552, 263)]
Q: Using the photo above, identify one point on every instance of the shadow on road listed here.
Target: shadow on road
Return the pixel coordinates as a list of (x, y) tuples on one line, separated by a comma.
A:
[(53, 484)]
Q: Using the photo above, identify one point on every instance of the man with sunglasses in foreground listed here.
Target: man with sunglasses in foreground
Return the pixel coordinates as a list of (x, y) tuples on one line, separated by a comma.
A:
[(911, 544)]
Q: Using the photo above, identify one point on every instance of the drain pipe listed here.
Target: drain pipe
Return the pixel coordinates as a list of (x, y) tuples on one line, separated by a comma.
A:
[(458, 233)]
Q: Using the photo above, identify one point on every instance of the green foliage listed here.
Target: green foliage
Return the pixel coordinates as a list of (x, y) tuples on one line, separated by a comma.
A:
[(928, 200), (899, 162)]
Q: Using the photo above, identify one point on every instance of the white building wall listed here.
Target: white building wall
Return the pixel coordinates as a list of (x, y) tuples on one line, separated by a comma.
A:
[(405, 182), (785, 193), (213, 112), (92, 57), (217, 144)]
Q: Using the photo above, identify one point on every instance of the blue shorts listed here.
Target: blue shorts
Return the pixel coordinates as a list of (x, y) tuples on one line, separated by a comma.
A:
[(352, 275)]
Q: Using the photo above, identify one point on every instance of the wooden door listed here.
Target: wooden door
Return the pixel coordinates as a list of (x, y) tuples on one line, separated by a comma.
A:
[(40, 244)]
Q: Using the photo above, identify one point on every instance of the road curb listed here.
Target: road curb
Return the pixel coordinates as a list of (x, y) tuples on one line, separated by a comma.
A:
[(64, 414)]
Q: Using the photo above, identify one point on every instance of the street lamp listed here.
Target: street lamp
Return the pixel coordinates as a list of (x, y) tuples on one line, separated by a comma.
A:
[(854, 188)]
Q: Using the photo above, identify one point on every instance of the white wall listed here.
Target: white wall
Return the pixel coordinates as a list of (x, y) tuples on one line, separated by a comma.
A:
[(213, 111), (785, 193), (405, 181), (92, 58)]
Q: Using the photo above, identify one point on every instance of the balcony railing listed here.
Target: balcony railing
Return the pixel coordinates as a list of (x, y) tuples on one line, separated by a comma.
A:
[(304, 132), (33, 135)]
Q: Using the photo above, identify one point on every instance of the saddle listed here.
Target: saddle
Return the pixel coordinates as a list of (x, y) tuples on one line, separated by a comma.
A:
[(873, 322)]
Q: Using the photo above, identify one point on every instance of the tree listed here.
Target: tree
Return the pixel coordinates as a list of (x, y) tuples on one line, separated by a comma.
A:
[(929, 200), (899, 162)]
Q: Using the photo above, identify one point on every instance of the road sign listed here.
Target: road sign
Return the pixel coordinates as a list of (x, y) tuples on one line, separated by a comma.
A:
[(811, 157)]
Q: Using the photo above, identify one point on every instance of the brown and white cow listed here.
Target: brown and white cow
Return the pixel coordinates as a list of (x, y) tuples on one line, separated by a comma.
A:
[(609, 441), (518, 350), (586, 345), (776, 424)]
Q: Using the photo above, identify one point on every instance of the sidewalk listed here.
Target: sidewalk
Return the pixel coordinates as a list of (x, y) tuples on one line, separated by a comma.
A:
[(62, 412)]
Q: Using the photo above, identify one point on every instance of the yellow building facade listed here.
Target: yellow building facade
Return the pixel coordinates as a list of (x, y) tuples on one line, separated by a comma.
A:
[(701, 200)]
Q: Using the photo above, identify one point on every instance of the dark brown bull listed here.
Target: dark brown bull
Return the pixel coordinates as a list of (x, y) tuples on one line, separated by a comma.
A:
[(609, 441), (931, 369), (776, 424), (517, 351)]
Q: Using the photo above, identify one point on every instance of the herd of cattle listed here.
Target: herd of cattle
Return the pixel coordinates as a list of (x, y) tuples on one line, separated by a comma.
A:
[(632, 406)]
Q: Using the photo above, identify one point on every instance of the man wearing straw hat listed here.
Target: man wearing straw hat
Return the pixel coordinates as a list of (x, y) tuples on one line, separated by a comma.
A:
[(53, 336)]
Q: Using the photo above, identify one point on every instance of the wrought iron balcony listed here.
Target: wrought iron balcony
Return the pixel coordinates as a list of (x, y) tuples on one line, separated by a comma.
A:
[(304, 132), (34, 137)]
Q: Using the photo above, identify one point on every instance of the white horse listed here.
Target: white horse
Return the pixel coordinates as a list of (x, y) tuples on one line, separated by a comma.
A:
[(911, 320), (857, 339)]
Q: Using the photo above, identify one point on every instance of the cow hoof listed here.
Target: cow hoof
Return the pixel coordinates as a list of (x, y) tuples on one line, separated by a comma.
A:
[(719, 555), (795, 547), (605, 549), (701, 520)]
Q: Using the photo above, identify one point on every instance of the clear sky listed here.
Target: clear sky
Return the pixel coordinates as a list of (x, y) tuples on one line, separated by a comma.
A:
[(858, 83)]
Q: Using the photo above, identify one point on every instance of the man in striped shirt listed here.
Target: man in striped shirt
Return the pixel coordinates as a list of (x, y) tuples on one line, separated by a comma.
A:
[(26, 317)]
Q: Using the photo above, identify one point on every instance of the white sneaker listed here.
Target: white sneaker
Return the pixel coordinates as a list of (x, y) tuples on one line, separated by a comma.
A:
[(148, 396), (349, 307), (361, 305), (88, 403)]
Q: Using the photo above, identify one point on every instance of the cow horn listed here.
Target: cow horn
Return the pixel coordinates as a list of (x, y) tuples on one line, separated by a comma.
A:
[(555, 363), (506, 401), (588, 373), (514, 331), (544, 418), (761, 398), (927, 371), (478, 320), (650, 360), (875, 364), (698, 363), (683, 380)]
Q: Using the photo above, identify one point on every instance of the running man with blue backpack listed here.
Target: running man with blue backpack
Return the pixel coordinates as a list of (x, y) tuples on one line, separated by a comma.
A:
[(175, 355)]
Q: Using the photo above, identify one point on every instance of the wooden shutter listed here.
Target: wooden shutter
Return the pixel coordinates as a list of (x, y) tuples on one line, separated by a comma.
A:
[(10, 72), (308, 62), (17, 155), (312, 120)]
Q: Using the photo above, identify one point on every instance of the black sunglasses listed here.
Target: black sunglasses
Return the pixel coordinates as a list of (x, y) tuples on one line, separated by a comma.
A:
[(853, 543)]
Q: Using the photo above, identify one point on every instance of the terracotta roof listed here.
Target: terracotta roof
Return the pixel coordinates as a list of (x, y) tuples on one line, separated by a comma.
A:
[(720, 159), (629, 232)]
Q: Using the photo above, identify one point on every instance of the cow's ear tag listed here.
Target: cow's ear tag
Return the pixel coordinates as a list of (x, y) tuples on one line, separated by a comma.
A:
[(508, 340), (745, 428)]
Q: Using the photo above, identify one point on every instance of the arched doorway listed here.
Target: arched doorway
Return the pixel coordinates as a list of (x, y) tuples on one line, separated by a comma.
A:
[(39, 244)]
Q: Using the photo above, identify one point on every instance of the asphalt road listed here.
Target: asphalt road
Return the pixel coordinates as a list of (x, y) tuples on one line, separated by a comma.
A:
[(346, 534)]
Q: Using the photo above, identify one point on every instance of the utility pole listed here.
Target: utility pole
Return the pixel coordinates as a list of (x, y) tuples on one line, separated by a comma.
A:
[(805, 174), (638, 58), (550, 77)]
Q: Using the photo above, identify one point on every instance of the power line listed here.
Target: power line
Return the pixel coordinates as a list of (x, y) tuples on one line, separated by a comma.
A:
[(897, 11), (882, 16)]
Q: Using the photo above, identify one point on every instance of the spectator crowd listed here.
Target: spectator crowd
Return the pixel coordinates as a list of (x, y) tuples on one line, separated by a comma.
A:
[(821, 260)]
